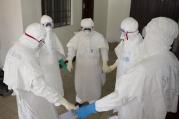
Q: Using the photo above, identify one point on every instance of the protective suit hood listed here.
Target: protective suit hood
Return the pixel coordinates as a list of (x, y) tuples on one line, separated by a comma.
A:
[(47, 22), (160, 34), (128, 51), (34, 36), (87, 25), (129, 24), (129, 28)]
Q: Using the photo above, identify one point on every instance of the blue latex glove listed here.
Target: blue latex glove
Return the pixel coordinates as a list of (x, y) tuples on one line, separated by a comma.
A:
[(62, 64), (85, 111)]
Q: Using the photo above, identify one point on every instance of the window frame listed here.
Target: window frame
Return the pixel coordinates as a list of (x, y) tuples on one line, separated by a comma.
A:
[(51, 12)]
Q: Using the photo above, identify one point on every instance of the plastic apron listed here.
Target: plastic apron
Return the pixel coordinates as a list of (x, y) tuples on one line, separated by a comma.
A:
[(89, 51), (88, 72)]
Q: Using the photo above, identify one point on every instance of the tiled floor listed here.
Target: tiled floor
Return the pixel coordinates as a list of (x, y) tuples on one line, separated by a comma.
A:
[(8, 107)]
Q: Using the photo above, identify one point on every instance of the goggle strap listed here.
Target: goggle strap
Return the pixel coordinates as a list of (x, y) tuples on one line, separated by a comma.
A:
[(32, 37)]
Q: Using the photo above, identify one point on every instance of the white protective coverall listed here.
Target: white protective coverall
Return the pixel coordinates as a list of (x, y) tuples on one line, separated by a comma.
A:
[(23, 74), (90, 49), (128, 50), (51, 52), (149, 89)]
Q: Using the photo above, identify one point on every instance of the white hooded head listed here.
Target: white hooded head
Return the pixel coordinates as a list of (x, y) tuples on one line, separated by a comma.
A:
[(47, 22), (160, 34), (130, 35), (87, 25), (34, 35), (128, 51), (129, 28)]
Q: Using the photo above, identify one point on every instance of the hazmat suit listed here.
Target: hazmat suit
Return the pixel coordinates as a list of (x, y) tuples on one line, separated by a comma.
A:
[(129, 48), (128, 51), (23, 74), (91, 51), (51, 52), (149, 89)]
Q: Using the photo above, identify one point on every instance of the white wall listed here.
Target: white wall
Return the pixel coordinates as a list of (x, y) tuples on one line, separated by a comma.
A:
[(31, 12), (117, 11), (10, 25), (100, 15)]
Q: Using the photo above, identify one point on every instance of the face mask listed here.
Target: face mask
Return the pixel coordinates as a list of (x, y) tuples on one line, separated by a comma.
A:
[(122, 35), (49, 25), (48, 28)]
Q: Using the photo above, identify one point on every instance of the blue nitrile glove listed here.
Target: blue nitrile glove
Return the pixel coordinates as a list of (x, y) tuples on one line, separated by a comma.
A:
[(85, 111), (62, 64)]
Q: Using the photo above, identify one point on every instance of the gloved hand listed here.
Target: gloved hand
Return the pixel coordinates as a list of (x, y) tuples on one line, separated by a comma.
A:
[(69, 106), (65, 103), (69, 65), (62, 64), (105, 67), (85, 111), (112, 67)]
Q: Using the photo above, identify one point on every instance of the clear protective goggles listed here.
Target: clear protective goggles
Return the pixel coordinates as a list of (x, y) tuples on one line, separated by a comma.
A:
[(48, 24), (41, 42), (124, 34), (87, 29)]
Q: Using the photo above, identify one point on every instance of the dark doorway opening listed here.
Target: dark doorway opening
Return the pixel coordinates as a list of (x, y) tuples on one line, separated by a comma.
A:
[(144, 10), (87, 9)]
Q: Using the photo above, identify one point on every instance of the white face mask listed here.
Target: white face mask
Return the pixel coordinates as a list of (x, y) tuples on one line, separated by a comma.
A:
[(48, 28), (122, 35), (87, 31)]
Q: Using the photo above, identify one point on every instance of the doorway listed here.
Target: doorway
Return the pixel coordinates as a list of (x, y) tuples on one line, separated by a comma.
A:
[(87, 9), (144, 10)]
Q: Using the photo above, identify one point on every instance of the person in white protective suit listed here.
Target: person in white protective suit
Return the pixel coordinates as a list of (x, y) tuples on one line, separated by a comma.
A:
[(91, 51), (149, 89), (23, 74), (128, 50), (51, 52)]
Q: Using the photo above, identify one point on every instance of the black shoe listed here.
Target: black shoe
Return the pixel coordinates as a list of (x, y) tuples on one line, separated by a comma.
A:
[(81, 104), (3, 86), (4, 92)]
